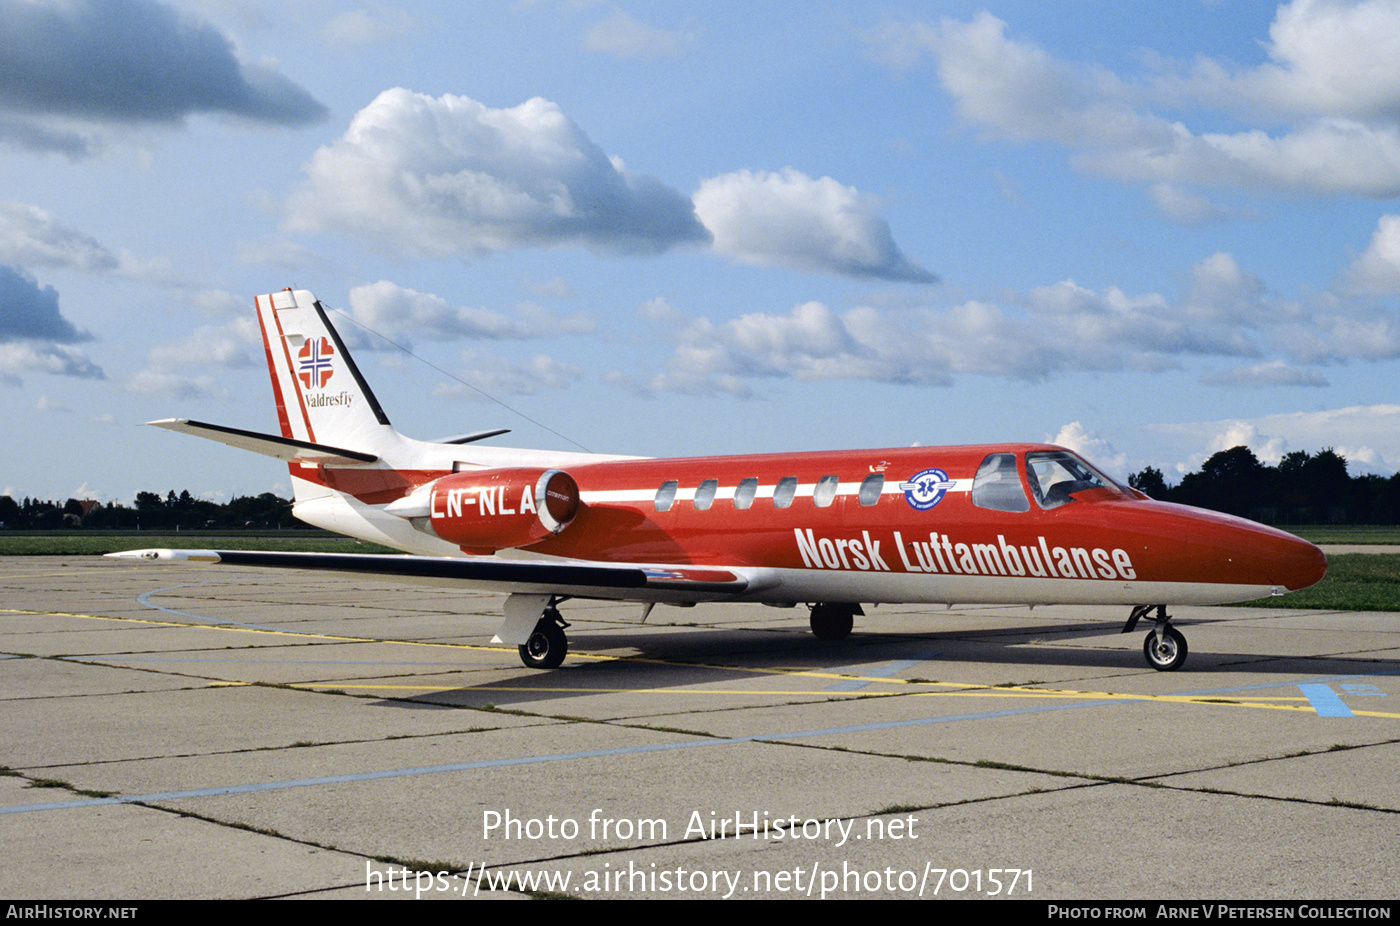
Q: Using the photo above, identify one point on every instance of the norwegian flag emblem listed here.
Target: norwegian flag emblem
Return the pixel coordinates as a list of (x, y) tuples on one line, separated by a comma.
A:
[(314, 367)]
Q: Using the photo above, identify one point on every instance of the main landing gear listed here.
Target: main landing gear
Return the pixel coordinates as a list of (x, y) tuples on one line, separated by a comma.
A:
[(833, 622), (1165, 646), (547, 645)]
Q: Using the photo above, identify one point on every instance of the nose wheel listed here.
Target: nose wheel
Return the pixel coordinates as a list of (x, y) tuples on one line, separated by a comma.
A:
[(1165, 646), (1165, 649)]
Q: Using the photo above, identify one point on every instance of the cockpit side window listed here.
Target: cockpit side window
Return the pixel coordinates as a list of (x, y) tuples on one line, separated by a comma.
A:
[(1055, 475), (997, 485)]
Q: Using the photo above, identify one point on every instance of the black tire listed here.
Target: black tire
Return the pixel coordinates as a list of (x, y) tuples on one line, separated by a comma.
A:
[(832, 622), (1167, 656), (546, 647)]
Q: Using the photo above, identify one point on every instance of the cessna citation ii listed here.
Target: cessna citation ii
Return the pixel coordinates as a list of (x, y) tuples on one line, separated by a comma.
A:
[(1003, 524)]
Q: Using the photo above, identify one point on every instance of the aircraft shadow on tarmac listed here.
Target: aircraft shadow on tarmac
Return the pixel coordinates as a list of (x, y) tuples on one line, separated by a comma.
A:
[(672, 657)]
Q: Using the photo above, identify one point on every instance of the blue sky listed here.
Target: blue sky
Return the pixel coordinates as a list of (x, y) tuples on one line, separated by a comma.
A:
[(1147, 232)]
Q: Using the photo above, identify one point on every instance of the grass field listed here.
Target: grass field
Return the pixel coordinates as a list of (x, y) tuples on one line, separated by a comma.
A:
[(1354, 582), (1348, 535)]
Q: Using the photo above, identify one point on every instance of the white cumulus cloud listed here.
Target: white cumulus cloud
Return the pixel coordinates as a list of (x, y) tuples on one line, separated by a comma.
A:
[(486, 374), (1377, 271), (790, 219), (1368, 436), (30, 236), (451, 177), (1226, 313), (1266, 375), (1093, 448), (56, 359), (1318, 117), (402, 314)]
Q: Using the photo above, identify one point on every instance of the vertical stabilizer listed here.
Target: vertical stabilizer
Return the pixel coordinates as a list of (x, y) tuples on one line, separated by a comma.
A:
[(321, 396)]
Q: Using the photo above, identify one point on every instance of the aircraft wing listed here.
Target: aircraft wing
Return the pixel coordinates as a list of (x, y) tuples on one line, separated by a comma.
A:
[(283, 448), (617, 582)]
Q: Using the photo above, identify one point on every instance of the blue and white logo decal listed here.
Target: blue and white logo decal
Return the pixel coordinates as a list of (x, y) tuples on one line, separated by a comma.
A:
[(926, 489)]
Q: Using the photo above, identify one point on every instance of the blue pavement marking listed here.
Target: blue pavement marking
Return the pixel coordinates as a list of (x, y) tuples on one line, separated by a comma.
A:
[(1265, 686), (1325, 701), (855, 684), (1365, 691), (144, 599)]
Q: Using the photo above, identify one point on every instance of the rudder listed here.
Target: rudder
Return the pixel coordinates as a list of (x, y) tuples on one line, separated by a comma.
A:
[(320, 395)]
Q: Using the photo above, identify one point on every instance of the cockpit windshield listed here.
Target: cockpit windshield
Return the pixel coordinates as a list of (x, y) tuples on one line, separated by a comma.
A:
[(1055, 475)]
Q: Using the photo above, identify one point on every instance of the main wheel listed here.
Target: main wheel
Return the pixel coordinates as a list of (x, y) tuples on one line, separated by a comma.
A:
[(1168, 654), (832, 621), (546, 647)]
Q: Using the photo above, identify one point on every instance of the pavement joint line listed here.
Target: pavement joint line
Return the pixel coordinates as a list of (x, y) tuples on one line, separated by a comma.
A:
[(508, 762)]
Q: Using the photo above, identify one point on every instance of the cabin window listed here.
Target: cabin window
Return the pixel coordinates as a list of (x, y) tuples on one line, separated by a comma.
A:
[(870, 488), (997, 485), (744, 493), (666, 495), (705, 495), (784, 491), (825, 491)]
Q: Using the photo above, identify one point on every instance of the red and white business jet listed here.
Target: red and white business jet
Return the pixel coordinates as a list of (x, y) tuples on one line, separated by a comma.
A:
[(1006, 524)]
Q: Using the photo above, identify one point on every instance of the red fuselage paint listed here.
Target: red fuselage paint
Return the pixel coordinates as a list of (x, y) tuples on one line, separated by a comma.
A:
[(1105, 535)]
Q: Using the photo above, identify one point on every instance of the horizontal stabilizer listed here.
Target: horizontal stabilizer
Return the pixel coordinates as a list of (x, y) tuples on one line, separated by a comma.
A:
[(283, 448), (471, 438), (622, 582)]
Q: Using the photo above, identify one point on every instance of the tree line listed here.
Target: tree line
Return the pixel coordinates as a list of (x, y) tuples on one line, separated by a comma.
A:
[(1304, 488), (150, 512)]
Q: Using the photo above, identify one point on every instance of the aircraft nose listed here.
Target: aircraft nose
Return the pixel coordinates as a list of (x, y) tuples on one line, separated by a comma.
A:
[(1299, 564), (1286, 561), (1236, 551)]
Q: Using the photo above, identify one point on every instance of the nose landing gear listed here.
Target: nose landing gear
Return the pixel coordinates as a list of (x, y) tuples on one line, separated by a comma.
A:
[(1165, 646)]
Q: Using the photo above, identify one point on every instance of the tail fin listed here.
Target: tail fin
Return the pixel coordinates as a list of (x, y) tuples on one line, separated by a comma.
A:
[(321, 396), (347, 464), (345, 459)]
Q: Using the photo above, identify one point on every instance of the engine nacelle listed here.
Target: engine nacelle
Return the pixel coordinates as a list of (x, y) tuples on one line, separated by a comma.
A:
[(499, 509)]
